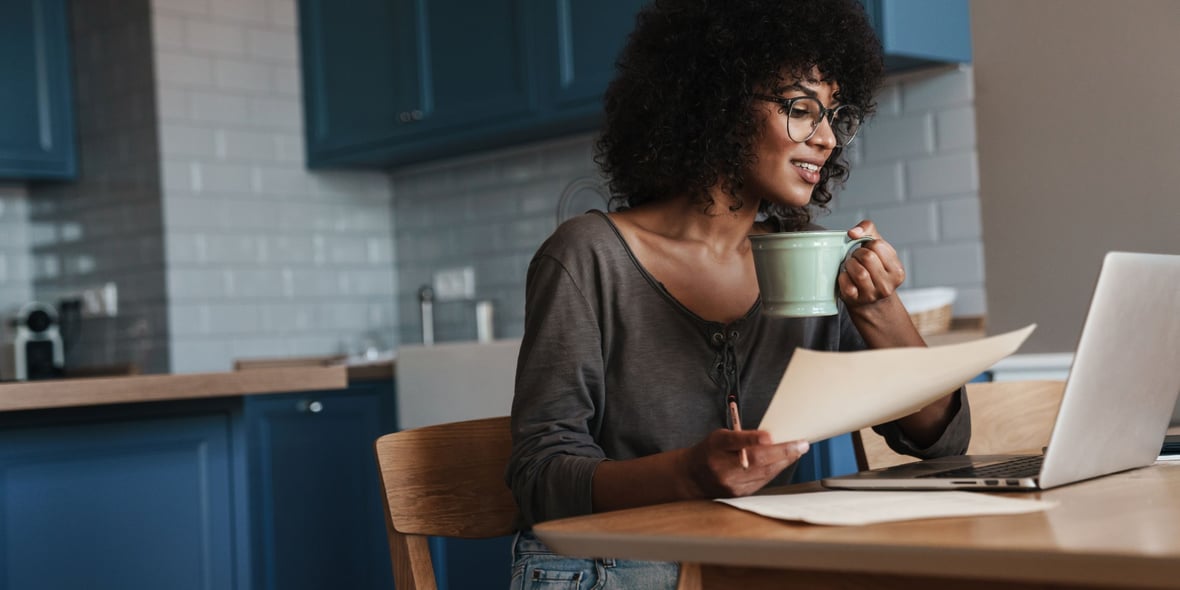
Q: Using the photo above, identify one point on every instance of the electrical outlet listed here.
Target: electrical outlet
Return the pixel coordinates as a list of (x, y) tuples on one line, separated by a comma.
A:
[(100, 302), (454, 283)]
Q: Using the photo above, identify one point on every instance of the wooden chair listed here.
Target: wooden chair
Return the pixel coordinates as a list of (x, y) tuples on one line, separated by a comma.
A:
[(445, 480), (1006, 417), (448, 481)]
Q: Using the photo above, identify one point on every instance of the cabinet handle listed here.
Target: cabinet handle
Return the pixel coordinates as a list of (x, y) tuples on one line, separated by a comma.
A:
[(410, 116), (310, 406)]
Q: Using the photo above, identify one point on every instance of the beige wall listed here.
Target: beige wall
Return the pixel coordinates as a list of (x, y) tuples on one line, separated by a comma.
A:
[(1079, 150)]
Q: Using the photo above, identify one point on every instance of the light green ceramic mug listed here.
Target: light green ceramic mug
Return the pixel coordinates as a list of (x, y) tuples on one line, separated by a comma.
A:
[(797, 270)]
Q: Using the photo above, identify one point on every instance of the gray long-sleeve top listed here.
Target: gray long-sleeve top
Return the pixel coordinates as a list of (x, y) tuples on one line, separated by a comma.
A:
[(613, 367)]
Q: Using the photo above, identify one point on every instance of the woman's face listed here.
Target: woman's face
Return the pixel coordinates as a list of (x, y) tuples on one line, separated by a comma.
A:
[(786, 171)]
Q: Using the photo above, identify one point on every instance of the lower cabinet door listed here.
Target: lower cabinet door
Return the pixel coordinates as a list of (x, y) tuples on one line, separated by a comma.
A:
[(316, 511), (117, 505)]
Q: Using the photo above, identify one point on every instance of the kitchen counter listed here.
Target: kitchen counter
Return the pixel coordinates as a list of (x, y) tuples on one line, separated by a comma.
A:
[(37, 395), (380, 369), (254, 479)]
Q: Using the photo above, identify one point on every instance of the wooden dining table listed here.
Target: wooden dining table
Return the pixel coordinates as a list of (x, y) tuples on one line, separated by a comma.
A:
[(1118, 531)]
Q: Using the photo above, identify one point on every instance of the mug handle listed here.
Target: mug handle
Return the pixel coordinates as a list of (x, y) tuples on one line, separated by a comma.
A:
[(851, 245)]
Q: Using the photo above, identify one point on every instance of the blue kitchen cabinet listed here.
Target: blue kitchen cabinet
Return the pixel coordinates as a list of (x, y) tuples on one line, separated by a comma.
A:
[(580, 41), (316, 512), (36, 104), (356, 77), (921, 33), (109, 499), (390, 82)]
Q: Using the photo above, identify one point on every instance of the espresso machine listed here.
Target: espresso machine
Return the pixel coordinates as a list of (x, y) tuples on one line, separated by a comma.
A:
[(32, 344)]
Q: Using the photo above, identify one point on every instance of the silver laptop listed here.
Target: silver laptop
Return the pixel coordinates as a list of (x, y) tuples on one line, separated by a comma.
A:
[(1118, 401)]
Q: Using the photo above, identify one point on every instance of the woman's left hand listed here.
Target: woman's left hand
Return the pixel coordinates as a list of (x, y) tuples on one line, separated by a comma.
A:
[(873, 272)]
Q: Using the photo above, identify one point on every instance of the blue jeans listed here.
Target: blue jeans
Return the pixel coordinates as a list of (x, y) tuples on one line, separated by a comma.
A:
[(535, 567)]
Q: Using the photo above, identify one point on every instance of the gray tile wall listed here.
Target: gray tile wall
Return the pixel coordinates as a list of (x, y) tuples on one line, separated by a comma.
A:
[(16, 284), (107, 225), (264, 258), (914, 174)]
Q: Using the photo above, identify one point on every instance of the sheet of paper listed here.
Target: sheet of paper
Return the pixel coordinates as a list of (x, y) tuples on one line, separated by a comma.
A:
[(856, 508), (823, 394)]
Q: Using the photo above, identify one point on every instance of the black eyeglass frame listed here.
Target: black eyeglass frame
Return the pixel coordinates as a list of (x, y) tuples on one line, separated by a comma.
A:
[(824, 113)]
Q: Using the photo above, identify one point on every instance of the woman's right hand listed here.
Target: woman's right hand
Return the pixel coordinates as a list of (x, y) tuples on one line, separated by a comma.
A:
[(714, 465)]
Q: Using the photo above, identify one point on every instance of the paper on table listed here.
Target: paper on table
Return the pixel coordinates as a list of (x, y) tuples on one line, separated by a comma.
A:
[(856, 508), (823, 394)]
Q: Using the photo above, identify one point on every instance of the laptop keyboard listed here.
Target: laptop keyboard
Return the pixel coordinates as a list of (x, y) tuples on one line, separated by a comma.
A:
[(1019, 467)]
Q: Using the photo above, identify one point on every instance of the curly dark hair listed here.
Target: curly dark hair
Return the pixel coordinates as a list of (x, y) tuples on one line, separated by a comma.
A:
[(679, 114)]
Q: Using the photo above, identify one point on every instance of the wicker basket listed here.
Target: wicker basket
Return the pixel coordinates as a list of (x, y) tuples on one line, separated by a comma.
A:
[(930, 309), (933, 321)]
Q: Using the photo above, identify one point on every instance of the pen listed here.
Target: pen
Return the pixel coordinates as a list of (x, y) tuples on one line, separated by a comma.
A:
[(736, 419)]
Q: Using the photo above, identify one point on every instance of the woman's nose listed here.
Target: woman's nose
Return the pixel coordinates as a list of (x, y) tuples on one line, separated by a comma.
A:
[(824, 136)]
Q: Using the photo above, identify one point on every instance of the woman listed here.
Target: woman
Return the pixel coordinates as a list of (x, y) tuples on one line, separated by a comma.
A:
[(726, 118)]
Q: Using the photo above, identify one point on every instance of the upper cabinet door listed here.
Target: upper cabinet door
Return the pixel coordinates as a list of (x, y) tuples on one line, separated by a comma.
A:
[(582, 39), (36, 101), (473, 64), (919, 33), (356, 78)]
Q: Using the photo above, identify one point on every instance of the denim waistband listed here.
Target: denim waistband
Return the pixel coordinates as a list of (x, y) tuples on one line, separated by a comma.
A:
[(528, 544)]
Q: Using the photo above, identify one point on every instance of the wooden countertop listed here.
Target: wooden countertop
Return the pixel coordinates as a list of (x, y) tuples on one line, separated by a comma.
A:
[(37, 395), (383, 369)]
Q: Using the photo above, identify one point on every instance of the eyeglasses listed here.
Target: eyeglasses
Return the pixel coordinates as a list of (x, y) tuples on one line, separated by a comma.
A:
[(804, 114)]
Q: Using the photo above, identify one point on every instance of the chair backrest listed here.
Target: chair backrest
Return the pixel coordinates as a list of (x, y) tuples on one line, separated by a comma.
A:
[(445, 480), (1006, 417)]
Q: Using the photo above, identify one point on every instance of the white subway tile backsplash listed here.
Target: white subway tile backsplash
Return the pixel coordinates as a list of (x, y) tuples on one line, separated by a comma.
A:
[(290, 147), (286, 80), (907, 224), (185, 140), (245, 11), (225, 178), (960, 219), (277, 46), (188, 319), (871, 185), (219, 108), (258, 283), (286, 249), (938, 89), (218, 38), (956, 128), (178, 175), (839, 219), (167, 31), (379, 250), (889, 100), (189, 212), (171, 104), (234, 318), (953, 264), (203, 355), (260, 348), (347, 251), (282, 13), (183, 69), (886, 139), (180, 7), (194, 284), (279, 113), (970, 301), (234, 74), (952, 174), (282, 181)]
